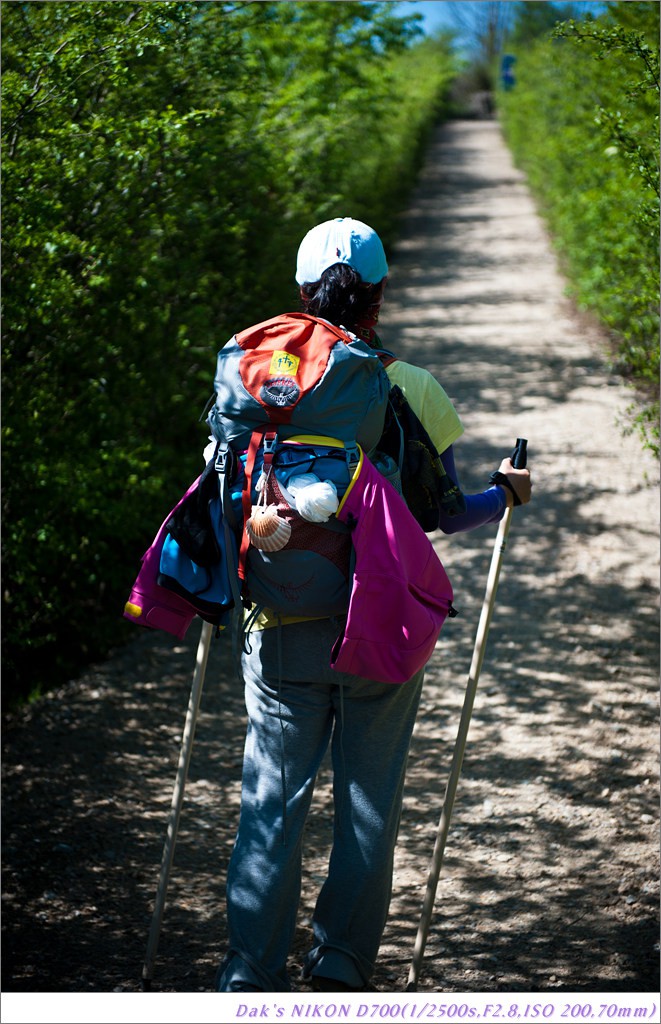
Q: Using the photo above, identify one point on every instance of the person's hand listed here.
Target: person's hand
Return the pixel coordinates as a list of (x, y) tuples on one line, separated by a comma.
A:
[(519, 479)]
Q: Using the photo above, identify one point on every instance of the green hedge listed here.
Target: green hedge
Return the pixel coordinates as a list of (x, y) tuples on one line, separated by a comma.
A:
[(582, 121), (161, 162)]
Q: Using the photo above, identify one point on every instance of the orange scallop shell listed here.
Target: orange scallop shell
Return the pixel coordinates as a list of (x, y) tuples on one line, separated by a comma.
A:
[(267, 531)]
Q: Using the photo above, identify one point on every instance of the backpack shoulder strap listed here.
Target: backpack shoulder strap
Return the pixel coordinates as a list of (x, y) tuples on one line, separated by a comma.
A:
[(385, 355)]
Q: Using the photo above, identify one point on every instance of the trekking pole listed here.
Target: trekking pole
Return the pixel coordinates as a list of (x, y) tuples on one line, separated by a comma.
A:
[(519, 458), (177, 800)]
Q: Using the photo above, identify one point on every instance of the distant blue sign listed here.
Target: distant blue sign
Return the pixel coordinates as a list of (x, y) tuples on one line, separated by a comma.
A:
[(507, 71)]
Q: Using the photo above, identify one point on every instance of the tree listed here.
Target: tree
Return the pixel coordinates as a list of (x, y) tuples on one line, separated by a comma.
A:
[(161, 162), (483, 27), (583, 122), (533, 19)]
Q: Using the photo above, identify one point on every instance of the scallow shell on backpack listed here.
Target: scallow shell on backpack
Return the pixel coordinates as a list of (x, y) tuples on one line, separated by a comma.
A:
[(267, 531)]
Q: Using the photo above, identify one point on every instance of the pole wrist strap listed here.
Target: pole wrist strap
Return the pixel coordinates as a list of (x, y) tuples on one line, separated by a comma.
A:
[(499, 478)]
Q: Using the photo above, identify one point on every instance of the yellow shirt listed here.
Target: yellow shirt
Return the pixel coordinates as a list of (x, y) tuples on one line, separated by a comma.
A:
[(429, 402)]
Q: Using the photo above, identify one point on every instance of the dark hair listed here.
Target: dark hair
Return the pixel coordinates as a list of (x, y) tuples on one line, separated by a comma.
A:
[(341, 296)]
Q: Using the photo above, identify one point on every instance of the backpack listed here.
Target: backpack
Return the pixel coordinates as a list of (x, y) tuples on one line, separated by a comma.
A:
[(279, 386), (247, 532), (298, 373)]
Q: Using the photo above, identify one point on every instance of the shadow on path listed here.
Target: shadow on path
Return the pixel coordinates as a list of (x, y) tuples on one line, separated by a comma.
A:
[(551, 876)]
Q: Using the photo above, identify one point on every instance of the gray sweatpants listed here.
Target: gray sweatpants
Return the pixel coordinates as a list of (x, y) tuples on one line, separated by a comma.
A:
[(296, 705)]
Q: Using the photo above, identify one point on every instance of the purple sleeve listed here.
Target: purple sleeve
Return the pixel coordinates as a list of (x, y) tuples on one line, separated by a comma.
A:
[(487, 507)]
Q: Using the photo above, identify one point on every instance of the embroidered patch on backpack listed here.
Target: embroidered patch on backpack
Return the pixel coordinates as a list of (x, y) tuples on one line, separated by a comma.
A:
[(280, 392)]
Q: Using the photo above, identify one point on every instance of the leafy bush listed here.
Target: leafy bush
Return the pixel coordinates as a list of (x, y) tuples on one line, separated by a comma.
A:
[(161, 162), (583, 123)]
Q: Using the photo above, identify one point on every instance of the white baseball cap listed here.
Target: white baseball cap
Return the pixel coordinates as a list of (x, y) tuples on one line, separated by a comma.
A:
[(342, 240)]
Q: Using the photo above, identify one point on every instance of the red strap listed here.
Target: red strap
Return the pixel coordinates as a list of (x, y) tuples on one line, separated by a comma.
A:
[(246, 496)]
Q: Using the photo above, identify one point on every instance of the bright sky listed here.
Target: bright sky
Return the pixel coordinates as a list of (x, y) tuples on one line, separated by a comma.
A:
[(436, 14)]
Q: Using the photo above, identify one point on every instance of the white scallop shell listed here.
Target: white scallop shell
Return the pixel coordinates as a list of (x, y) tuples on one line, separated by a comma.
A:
[(267, 531)]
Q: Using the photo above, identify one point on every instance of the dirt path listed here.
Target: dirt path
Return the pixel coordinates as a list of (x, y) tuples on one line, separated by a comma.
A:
[(550, 879)]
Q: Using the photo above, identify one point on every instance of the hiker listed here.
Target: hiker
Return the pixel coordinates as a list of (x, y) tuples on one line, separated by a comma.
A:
[(298, 705)]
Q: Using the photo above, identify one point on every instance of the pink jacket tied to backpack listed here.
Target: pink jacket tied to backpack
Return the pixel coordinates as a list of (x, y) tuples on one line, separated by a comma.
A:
[(401, 594)]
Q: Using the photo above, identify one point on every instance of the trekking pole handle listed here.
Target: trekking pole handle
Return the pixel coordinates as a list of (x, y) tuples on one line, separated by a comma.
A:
[(519, 456)]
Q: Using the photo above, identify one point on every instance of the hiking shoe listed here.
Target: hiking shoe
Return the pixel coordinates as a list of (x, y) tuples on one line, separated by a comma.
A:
[(235, 986)]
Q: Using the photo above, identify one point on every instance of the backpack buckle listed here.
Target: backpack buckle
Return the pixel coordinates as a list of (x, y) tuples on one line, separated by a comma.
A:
[(220, 464), (353, 455), (270, 441)]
